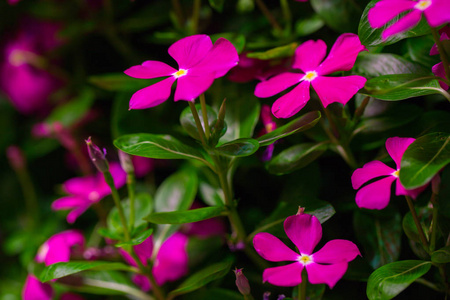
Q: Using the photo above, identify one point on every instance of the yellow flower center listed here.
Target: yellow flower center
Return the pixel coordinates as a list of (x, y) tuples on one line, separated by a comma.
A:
[(310, 76), (179, 73), (423, 4), (396, 173), (305, 259)]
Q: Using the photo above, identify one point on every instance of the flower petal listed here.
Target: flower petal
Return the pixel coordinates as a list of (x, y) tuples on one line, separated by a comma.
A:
[(309, 55), (370, 171), (375, 195), (337, 89), (439, 71), (291, 103), (36, 290), (342, 55), (400, 190), (438, 13), (190, 50), (152, 95), (386, 10), (142, 282), (272, 249), (396, 147), (336, 251), (304, 231), (289, 275), (150, 69), (219, 60), (68, 202), (172, 260), (328, 274), (190, 87), (80, 186), (277, 84), (405, 23)]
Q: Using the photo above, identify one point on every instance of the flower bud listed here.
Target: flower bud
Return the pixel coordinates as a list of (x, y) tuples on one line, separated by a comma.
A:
[(242, 282), (125, 162), (15, 157), (97, 156), (266, 296)]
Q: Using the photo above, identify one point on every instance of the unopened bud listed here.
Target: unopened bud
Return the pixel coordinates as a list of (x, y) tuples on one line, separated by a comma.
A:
[(301, 211), (125, 162), (242, 282), (435, 184), (15, 157), (97, 156)]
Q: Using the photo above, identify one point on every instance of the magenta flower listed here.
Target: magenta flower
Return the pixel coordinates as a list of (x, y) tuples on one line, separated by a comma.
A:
[(85, 191), (59, 247), (438, 69), (309, 58), (327, 265), (170, 264), (376, 195), (436, 12), (199, 63), (36, 290)]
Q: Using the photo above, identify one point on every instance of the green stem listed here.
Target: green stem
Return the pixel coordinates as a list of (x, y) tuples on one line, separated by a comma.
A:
[(195, 15), (115, 195), (205, 116), (197, 123), (157, 290), (442, 52), (360, 110), (131, 184), (302, 287), (266, 12), (422, 236)]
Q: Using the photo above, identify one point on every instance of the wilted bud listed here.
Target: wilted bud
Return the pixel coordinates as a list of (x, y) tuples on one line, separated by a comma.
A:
[(125, 162), (242, 282), (97, 156), (15, 157), (266, 295)]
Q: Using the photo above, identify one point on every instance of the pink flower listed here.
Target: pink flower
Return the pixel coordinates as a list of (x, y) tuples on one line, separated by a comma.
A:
[(269, 126), (59, 246), (199, 63), (438, 69), (327, 265), (436, 12), (376, 195), (309, 58), (252, 68), (170, 264), (36, 290), (85, 191)]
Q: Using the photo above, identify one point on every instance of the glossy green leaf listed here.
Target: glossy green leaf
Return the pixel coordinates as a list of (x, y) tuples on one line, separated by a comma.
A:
[(73, 111), (138, 239), (372, 37), (239, 147), (238, 40), (296, 157), (156, 146), (203, 277), (188, 216), (389, 280), (424, 159), (188, 122), (340, 15), (418, 50), (120, 82), (304, 27), (63, 269), (410, 227), (401, 86), (302, 123), (278, 52), (441, 256)]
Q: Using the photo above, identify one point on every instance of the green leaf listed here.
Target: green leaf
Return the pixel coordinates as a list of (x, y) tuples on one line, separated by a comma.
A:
[(73, 111), (120, 82), (340, 15), (389, 280), (410, 227), (304, 27), (302, 123), (372, 37), (441, 256), (217, 4), (237, 39), (239, 147), (63, 269), (188, 122), (418, 50), (156, 146), (278, 52), (424, 158), (296, 157), (401, 86), (139, 239), (189, 216), (203, 277)]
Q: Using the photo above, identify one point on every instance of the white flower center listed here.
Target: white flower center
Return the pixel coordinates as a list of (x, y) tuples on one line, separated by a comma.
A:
[(180, 73), (310, 76), (42, 252), (93, 196), (422, 5), (396, 173), (305, 259)]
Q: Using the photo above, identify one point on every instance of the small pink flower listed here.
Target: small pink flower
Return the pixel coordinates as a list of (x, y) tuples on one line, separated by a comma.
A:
[(85, 191), (36, 290), (436, 12), (327, 265), (309, 58), (170, 264), (59, 247), (376, 195), (199, 63), (438, 69)]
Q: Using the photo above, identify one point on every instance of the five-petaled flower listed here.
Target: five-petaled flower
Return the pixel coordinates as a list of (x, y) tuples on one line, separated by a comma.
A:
[(376, 195), (199, 63), (85, 191), (309, 58), (327, 265), (436, 12)]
